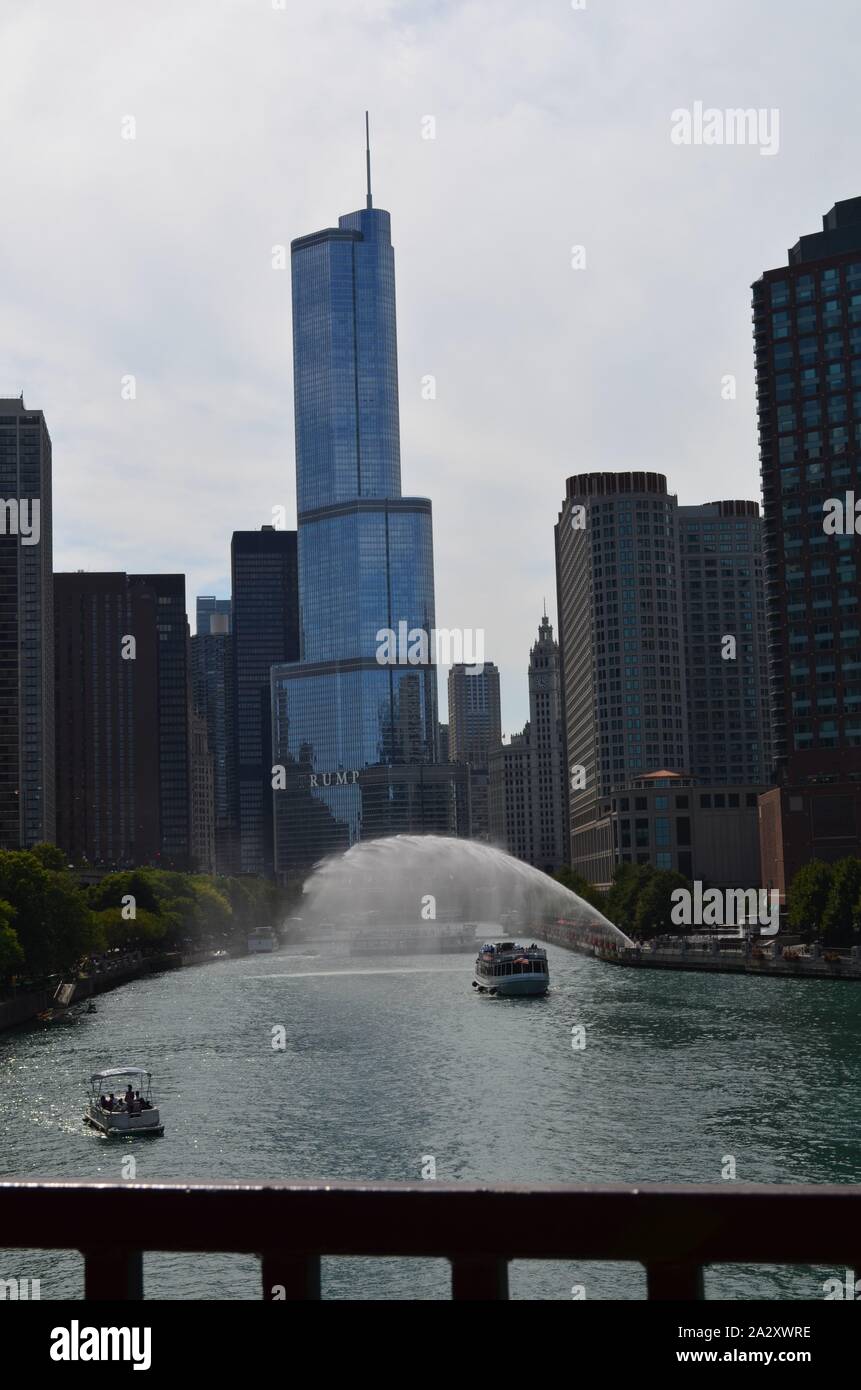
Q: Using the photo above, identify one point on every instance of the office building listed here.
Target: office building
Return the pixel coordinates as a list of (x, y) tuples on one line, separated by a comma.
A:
[(475, 726)]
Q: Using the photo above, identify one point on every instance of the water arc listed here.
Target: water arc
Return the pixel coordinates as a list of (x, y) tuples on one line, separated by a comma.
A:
[(406, 879)]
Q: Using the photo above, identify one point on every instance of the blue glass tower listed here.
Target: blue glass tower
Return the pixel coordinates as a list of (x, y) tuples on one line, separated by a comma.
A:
[(357, 738)]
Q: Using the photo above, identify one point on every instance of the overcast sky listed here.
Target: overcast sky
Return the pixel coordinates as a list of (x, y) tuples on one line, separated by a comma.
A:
[(152, 256)]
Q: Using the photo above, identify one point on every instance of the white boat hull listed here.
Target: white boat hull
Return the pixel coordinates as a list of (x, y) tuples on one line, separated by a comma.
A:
[(117, 1123)]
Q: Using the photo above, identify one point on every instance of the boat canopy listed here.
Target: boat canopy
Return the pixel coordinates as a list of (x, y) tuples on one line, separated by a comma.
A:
[(120, 1071)]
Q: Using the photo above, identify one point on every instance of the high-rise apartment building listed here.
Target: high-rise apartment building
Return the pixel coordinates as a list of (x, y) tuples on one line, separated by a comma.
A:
[(807, 339), (27, 810), (621, 647), (663, 669), (726, 655), (265, 633)]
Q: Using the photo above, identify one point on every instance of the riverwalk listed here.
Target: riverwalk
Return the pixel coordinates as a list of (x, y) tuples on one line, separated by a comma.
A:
[(721, 955)]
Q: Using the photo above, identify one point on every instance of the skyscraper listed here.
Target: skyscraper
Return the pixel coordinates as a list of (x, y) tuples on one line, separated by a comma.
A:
[(807, 337), (166, 594), (726, 654), (208, 608), (645, 588), (622, 648), (108, 701), (213, 696), (475, 726), (27, 813), (343, 714), (265, 632), (527, 774)]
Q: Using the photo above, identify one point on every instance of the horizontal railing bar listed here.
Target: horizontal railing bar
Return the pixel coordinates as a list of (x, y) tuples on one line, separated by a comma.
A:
[(648, 1224)]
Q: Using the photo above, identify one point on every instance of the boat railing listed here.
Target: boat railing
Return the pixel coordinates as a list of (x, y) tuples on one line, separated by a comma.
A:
[(674, 1231)]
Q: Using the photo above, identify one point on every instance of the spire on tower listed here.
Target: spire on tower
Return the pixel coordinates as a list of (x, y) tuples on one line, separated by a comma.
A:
[(368, 158)]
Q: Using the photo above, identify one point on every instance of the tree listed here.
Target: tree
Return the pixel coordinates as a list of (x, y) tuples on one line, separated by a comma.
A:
[(50, 857), (576, 883), (838, 919), (53, 922), (629, 880), (808, 895), (655, 902), (11, 954)]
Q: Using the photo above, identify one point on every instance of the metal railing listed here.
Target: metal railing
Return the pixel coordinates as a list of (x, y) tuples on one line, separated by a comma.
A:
[(673, 1231)]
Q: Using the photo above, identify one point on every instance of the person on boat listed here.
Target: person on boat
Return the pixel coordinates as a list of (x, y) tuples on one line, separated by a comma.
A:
[(130, 1095), (109, 1103), (103, 1102)]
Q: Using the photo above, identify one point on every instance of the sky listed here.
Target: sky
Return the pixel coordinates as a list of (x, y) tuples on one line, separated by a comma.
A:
[(154, 155)]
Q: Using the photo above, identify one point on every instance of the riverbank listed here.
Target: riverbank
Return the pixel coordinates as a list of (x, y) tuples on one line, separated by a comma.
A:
[(26, 1007), (770, 959)]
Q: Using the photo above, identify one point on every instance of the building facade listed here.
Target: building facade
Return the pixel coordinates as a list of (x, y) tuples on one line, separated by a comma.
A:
[(357, 713), (265, 633), (213, 693), (108, 702), (527, 774), (807, 340), (475, 726), (202, 795), (27, 808), (212, 610), (621, 648), (726, 652), (165, 593), (664, 669)]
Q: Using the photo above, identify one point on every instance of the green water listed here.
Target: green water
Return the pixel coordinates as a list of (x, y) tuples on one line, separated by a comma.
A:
[(391, 1061)]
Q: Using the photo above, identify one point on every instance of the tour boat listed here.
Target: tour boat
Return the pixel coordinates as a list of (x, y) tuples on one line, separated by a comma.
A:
[(261, 942), (126, 1114), (506, 968)]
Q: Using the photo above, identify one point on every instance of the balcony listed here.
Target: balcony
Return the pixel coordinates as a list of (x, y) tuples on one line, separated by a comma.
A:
[(674, 1231)]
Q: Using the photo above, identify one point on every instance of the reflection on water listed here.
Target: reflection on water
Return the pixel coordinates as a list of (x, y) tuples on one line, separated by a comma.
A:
[(387, 1062)]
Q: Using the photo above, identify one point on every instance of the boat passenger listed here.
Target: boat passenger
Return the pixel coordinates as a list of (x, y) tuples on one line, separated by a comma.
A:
[(129, 1097), (110, 1103)]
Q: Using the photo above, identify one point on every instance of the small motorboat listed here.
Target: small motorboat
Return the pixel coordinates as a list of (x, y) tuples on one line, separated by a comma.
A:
[(122, 1112)]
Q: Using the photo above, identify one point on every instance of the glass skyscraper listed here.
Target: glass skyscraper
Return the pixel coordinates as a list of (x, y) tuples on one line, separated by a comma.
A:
[(340, 716)]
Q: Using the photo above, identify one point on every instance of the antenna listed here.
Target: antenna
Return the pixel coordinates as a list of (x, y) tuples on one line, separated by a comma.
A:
[(368, 158)]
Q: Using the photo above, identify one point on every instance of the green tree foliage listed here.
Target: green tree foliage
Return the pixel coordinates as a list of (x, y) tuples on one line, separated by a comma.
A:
[(52, 920), (50, 857), (808, 896), (838, 919), (655, 903), (629, 880), (576, 883), (11, 953)]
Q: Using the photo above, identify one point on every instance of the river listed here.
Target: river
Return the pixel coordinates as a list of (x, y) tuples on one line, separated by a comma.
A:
[(391, 1062)]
